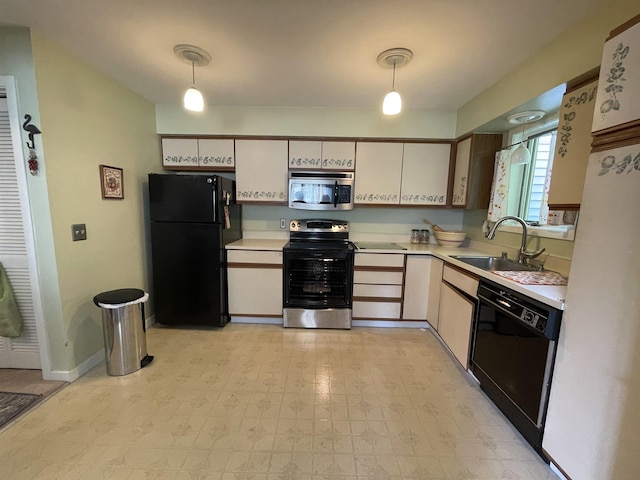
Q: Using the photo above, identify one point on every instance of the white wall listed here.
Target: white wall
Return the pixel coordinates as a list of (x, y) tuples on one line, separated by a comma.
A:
[(290, 121)]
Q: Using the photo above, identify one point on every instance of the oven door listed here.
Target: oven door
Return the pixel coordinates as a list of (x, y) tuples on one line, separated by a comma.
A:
[(318, 278), (317, 288)]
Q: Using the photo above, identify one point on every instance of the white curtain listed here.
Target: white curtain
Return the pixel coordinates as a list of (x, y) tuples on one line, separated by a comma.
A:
[(500, 186)]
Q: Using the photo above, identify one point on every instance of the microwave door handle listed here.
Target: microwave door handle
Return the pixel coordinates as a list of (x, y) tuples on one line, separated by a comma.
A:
[(335, 195)]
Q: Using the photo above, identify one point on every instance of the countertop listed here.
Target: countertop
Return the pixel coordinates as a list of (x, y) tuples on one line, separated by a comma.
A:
[(552, 295)]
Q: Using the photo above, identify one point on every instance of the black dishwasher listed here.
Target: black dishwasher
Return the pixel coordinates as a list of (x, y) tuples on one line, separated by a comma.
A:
[(514, 354)]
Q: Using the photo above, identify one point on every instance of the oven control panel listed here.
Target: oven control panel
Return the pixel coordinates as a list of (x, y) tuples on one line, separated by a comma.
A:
[(336, 226)]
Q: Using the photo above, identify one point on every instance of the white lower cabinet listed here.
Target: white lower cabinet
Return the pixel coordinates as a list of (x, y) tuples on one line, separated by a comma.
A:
[(422, 279), (455, 321), (377, 286), (255, 283)]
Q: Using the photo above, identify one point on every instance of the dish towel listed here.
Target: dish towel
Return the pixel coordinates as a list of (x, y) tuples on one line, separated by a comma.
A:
[(10, 318)]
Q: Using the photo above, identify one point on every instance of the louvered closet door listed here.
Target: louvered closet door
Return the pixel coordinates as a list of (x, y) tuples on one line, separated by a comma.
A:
[(21, 352)]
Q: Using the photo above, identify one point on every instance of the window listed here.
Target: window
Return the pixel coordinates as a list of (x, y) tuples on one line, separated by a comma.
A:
[(535, 179)]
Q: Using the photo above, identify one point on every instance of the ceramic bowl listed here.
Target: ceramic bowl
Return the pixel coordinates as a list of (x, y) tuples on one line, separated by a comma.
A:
[(450, 239)]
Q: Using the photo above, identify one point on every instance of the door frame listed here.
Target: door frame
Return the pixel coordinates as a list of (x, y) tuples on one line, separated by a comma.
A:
[(9, 82)]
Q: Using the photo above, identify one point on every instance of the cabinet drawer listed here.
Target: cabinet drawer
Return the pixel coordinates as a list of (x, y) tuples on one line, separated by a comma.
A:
[(466, 283), (254, 257), (378, 278), (377, 291), (383, 310), (379, 260)]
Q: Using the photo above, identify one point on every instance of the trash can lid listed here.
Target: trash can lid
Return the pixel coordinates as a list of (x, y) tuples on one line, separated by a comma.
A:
[(120, 296)]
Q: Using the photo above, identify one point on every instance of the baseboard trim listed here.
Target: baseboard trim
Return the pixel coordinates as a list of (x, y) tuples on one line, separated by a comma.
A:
[(260, 320), (74, 374), (150, 322), (389, 324)]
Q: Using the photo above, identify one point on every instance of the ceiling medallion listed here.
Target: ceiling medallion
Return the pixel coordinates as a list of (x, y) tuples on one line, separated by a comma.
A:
[(527, 116), (192, 55), (397, 57)]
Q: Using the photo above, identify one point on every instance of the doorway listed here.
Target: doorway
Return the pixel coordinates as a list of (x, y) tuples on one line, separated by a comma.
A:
[(17, 248)]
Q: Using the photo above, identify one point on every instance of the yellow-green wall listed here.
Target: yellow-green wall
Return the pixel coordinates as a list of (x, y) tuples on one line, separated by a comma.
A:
[(570, 55), (88, 119)]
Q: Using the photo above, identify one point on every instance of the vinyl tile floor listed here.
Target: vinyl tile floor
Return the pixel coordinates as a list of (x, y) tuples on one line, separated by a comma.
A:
[(262, 402)]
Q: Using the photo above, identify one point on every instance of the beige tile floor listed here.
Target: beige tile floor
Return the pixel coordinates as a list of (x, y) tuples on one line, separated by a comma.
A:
[(263, 402)]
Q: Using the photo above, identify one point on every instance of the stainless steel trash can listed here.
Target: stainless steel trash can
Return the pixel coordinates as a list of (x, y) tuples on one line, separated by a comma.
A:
[(124, 329)]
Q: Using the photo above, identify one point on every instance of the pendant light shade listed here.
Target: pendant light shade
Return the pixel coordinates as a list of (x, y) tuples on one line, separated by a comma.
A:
[(520, 155), (193, 99), (392, 104), (393, 58)]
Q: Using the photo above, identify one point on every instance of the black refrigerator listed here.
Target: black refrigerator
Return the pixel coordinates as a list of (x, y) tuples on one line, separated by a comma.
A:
[(192, 218)]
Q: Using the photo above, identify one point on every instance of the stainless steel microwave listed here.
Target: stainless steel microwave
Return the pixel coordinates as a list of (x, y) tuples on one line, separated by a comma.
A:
[(326, 190)]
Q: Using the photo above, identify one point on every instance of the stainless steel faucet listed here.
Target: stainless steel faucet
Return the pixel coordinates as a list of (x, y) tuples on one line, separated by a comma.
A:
[(523, 255)]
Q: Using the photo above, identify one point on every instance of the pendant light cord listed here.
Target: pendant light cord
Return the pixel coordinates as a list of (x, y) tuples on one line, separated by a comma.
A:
[(193, 73), (393, 82)]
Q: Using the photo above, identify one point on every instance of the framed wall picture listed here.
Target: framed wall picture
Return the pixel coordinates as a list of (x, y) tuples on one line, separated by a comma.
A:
[(111, 182)]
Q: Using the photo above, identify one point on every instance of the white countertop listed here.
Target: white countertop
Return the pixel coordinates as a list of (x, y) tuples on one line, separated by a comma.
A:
[(552, 295)]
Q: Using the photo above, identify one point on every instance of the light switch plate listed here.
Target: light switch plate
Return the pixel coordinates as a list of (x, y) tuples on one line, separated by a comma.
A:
[(283, 223), (78, 232)]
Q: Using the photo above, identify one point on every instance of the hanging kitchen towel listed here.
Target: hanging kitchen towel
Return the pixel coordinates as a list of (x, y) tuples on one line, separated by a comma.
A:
[(10, 318)]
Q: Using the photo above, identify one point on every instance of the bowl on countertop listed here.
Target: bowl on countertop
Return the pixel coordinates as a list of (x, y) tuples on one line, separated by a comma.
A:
[(449, 239)]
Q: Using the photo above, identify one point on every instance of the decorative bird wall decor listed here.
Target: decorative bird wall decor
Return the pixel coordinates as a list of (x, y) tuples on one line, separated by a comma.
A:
[(32, 129)]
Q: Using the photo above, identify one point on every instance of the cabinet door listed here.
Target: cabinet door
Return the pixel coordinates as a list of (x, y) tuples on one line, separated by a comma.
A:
[(255, 291), (261, 171), (339, 156), (255, 283), (573, 147), (435, 285), (216, 154), (461, 173), (378, 173), (618, 98), (416, 287), (305, 154), (456, 319), (425, 174), (179, 153)]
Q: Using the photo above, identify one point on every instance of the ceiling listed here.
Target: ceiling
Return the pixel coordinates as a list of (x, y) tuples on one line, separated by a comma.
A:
[(305, 53)]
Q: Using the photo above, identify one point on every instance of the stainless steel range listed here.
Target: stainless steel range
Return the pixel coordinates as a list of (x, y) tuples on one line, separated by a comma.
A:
[(318, 275)]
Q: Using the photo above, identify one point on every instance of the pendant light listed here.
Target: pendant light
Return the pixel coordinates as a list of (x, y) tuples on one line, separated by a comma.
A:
[(393, 58), (521, 155), (193, 99)]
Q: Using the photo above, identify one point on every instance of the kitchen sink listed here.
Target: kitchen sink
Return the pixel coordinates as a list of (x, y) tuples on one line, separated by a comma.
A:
[(493, 263)]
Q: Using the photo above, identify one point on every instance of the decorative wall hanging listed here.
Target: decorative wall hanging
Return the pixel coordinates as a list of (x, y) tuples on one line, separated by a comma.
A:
[(32, 130), (111, 182)]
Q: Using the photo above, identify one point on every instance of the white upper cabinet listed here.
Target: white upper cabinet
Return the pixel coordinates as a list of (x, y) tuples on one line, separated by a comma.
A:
[(179, 153), (216, 153), (305, 154), (198, 154), (461, 173), (339, 156), (378, 173), (321, 155), (425, 174), (573, 147), (618, 98), (261, 171)]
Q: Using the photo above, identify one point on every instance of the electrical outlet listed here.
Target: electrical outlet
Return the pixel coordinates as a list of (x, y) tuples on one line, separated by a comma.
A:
[(78, 232), (283, 223)]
